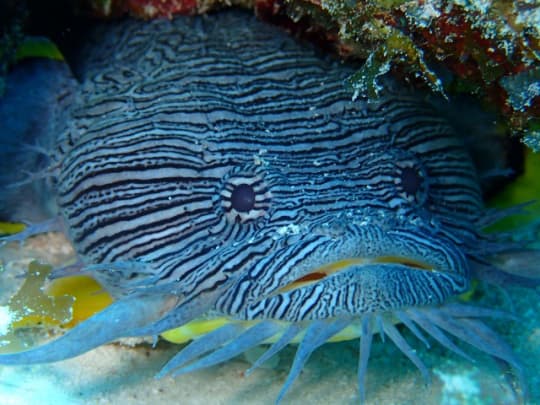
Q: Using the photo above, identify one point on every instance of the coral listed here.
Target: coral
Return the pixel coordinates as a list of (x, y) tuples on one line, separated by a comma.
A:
[(158, 8)]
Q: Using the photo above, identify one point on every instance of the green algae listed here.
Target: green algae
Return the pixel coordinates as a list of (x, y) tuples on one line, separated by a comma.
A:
[(522, 88)]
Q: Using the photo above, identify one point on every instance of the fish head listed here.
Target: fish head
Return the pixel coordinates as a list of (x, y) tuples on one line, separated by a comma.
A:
[(229, 165), (273, 214), (323, 229)]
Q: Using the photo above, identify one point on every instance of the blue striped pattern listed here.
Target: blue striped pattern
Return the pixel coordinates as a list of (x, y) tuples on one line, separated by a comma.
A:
[(173, 116)]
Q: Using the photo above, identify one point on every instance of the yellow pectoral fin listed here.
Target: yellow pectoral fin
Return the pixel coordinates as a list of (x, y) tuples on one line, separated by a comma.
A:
[(9, 228), (194, 329), (89, 296), (38, 47)]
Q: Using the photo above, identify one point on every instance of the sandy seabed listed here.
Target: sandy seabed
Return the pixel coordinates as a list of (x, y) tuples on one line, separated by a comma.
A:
[(122, 374)]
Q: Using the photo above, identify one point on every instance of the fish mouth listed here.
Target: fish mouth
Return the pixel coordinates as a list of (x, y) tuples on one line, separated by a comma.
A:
[(202, 326), (370, 270), (332, 268)]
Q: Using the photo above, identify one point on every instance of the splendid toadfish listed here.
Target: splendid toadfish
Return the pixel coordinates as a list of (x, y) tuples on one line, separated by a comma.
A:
[(213, 167)]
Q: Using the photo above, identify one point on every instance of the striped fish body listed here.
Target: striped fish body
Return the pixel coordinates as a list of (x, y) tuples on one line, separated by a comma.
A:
[(211, 149), (213, 165)]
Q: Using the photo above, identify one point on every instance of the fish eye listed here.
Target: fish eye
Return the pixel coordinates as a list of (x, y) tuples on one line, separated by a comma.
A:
[(410, 179), (243, 198)]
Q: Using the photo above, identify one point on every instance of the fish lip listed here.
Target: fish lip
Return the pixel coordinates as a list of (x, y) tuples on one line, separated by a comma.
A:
[(272, 291), (318, 274), (376, 269)]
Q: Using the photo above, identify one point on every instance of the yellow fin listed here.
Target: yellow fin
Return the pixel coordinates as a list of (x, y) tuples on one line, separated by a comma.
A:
[(194, 329), (199, 327), (38, 47), (9, 228), (89, 295)]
